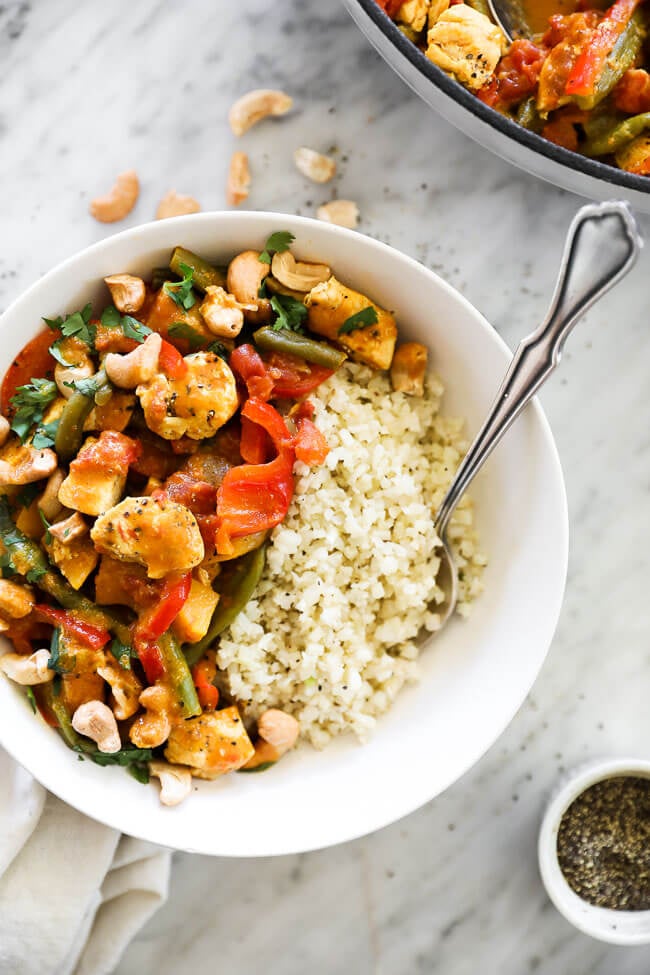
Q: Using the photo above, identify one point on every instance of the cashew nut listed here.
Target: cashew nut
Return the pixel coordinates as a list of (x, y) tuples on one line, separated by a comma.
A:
[(125, 687), (49, 503), (139, 366), (27, 670), (278, 728), (26, 466), (152, 729), (239, 179), (175, 782), (81, 366), (95, 720), (246, 274), (298, 275), (69, 529), (344, 213), (15, 600), (409, 368), (174, 204), (222, 313), (127, 291), (256, 105), (314, 165), (5, 429), (117, 204)]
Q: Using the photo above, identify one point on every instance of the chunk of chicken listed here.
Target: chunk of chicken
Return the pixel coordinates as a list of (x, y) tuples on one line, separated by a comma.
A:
[(23, 464), (330, 305), (97, 475), (159, 534), (413, 14), (212, 744), (195, 615), (75, 557), (465, 44), (409, 368), (16, 601), (196, 405)]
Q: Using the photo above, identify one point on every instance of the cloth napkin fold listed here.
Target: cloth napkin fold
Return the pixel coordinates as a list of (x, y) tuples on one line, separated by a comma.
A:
[(73, 893)]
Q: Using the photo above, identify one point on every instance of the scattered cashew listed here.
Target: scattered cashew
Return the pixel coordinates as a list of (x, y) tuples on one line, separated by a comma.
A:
[(256, 105), (278, 728), (81, 367), (175, 782), (139, 366), (27, 670), (70, 528), (246, 273), (222, 313), (344, 213), (117, 204), (409, 368), (125, 688), (239, 179), (27, 465), (5, 429), (151, 729), (95, 720), (314, 165), (174, 204), (298, 275), (127, 291), (49, 502), (15, 600)]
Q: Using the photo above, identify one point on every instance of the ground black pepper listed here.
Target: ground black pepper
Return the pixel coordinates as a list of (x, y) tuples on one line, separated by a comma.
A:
[(603, 844)]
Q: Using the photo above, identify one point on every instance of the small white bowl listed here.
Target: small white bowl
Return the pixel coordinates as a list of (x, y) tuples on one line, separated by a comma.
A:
[(615, 927)]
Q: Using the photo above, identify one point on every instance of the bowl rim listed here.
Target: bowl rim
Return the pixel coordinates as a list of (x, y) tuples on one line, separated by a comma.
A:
[(597, 922), (395, 810), (501, 123)]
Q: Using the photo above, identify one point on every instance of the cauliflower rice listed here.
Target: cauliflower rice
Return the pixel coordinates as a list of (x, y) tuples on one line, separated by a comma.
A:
[(350, 573)]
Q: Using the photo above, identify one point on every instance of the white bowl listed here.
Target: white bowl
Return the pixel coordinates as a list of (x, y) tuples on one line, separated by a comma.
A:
[(474, 675), (615, 927), (493, 130)]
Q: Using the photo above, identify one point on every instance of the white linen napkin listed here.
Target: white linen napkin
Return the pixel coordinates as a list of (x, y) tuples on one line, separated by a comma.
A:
[(72, 892)]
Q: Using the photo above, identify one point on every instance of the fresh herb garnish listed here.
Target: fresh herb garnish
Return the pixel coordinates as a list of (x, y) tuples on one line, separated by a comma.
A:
[(291, 313), (140, 772), (181, 330), (134, 760), (35, 574), (30, 697), (367, 316), (47, 526), (181, 291), (55, 352), (88, 387), (277, 243), (30, 402), (263, 291), (219, 349), (54, 663), (122, 653), (110, 317), (131, 327), (77, 324), (45, 435)]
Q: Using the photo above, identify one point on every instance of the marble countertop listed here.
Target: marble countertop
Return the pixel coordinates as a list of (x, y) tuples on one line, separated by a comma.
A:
[(91, 89)]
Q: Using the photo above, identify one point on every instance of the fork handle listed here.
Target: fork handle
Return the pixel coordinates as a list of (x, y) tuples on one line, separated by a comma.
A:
[(602, 245)]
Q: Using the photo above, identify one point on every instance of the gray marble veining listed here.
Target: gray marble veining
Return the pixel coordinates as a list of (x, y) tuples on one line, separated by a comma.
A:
[(87, 90)]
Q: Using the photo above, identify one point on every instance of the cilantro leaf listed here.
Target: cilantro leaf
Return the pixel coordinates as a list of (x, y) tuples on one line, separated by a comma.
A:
[(87, 387), (30, 697), (55, 352), (277, 243), (140, 772), (181, 291), (110, 317), (47, 526), (133, 329), (291, 313), (122, 653), (219, 349), (30, 402), (54, 663), (77, 324), (45, 435), (367, 316), (181, 330), (35, 574), (134, 760)]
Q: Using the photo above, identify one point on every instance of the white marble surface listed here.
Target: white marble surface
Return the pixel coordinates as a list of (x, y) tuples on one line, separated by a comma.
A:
[(90, 89)]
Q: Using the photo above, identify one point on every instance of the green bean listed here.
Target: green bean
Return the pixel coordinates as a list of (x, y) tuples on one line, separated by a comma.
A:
[(605, 137), (69, 433), (159, 275), (178, 673), (623, 56), (54, 703), (205, 275), (236, 592), (528, 116), (291, 343)]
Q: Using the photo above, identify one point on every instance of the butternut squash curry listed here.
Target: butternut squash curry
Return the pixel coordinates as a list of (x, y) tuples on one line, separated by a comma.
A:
[(147, 451), (581, 82)]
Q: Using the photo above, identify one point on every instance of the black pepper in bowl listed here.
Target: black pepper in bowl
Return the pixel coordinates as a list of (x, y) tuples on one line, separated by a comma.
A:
[(603, 844)]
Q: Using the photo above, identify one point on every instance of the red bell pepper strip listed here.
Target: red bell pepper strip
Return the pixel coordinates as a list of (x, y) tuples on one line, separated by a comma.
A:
[(202, 674), (248, 365), (150, 656), (171, 362), (311, 445), (254, 445), (158, 618), (32, 362), (293, 377), (92, 636), (390, 6), (592, 59)]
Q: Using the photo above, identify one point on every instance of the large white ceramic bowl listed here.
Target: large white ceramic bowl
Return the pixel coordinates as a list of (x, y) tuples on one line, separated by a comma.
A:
[(474, 675), (588, 177)]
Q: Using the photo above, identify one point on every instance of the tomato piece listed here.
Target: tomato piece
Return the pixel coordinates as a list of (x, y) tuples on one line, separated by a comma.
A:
[(390, 6), (95, 637), (112, 452), (591, 61), (199, 496), (311, 445), (254, 445), (516, 75), (171, 362), (32, 362), (248, 365), (293, 377), (158, 618)]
